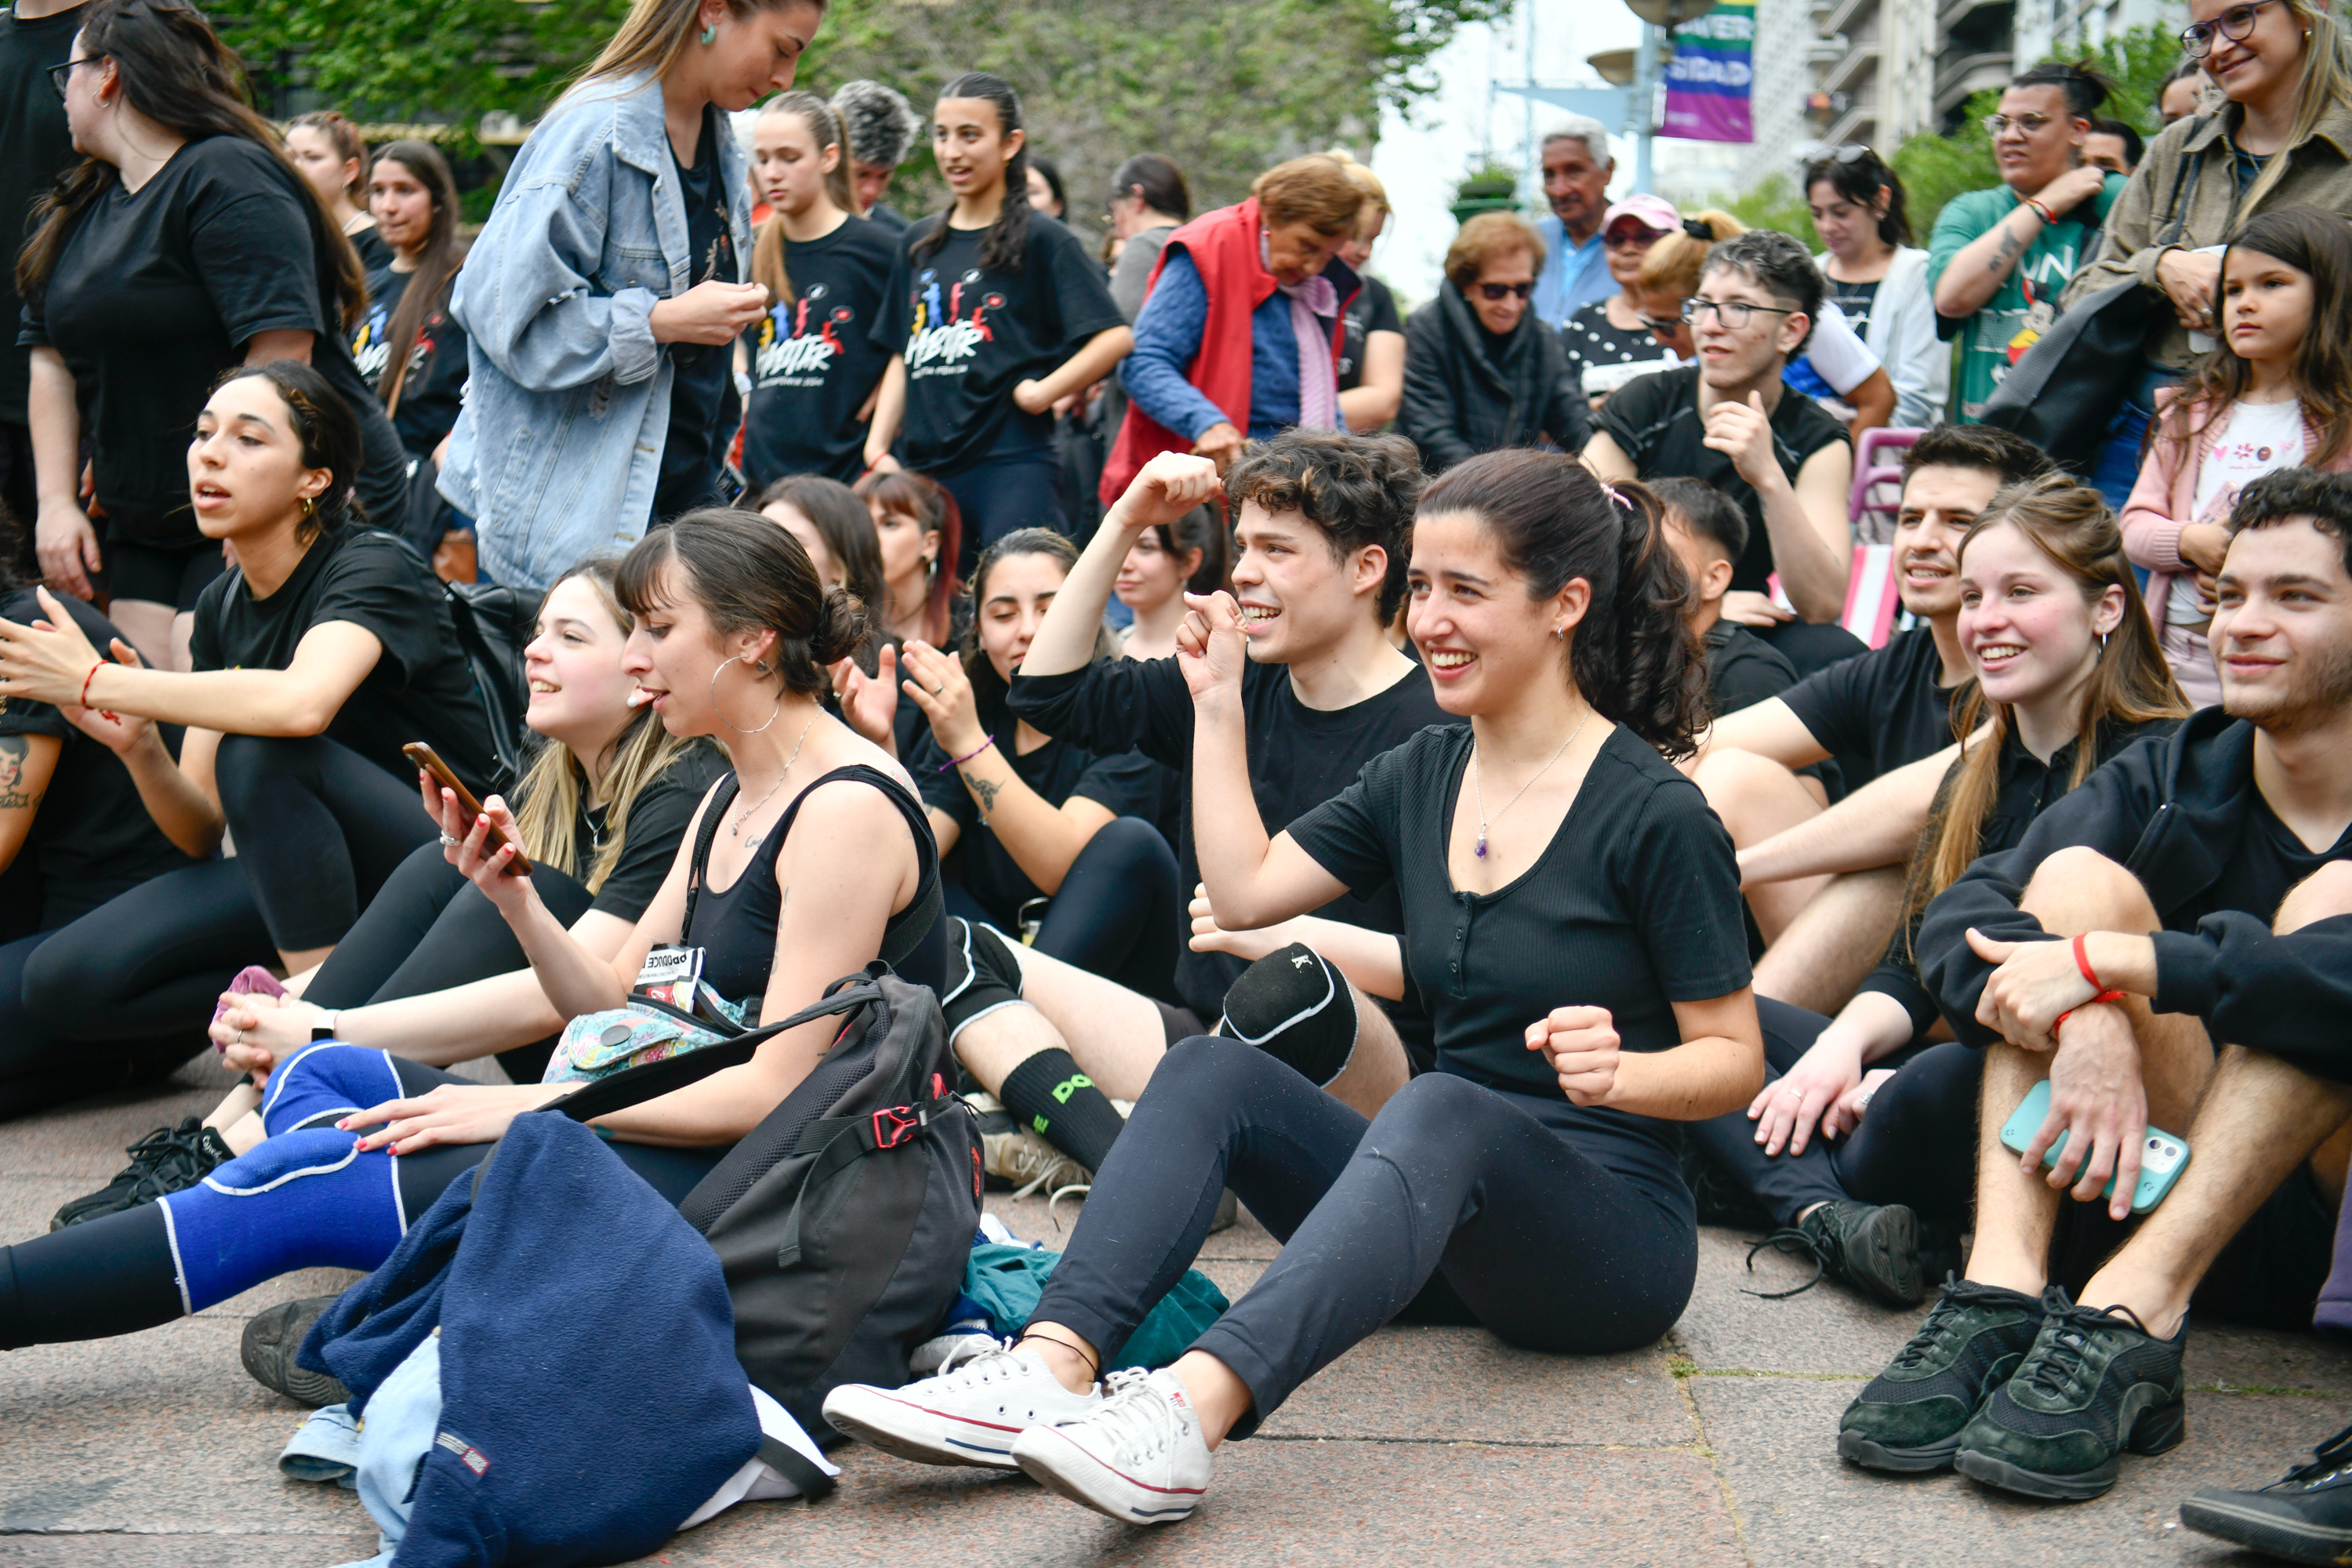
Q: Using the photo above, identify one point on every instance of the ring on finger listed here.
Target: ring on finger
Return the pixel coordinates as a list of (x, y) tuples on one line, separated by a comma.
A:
[(447, 842)]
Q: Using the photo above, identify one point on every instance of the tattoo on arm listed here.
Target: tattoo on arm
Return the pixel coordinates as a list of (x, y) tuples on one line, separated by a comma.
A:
[(2006, 257), (985, 791), (14, 752)]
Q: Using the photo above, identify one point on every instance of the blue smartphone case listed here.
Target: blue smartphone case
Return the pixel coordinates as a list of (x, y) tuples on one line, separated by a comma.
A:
[(2163, 1156)]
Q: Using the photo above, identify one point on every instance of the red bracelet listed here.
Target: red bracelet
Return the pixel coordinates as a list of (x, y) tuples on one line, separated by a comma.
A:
[(2060, 1021), (85, 691)]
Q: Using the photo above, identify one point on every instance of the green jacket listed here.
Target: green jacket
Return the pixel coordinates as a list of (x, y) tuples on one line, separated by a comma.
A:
[(2187, 172)]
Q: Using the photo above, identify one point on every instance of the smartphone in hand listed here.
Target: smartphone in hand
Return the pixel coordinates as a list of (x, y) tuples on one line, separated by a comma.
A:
[(426, 758), (2162, 1156)]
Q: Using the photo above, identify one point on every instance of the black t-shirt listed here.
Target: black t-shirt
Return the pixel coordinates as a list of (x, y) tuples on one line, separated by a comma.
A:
[(33, 130), (1591, 338), (375, 255), (159, 290), (2026, 788), (886, 218), (1633, 906), (657, 822), (436, 383), (1742, 668), (814, 359), (91, 837), (1654, 421), (420, 690), (1883, 706), (971, 335), (1128, 783), (701, 373), (1373, 309), (2268, 862), (1854, 299), (1299, 757)]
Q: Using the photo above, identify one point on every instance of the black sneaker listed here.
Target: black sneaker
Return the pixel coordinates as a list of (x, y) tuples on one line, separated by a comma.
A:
[(168, 1160), (2304, 1517), (1908, 1419), (1874, 1248), (272, 1337), (2094, 1385), (1718, 1195)]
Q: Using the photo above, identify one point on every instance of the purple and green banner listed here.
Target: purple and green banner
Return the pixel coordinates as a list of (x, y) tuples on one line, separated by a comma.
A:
[(1708, 81)]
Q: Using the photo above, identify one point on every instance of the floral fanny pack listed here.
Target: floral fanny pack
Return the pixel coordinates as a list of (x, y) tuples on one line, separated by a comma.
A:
[(672, 1011)]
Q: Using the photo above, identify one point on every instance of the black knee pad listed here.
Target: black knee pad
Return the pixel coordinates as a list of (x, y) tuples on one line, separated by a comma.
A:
[(1297, 1008), (983, 975)]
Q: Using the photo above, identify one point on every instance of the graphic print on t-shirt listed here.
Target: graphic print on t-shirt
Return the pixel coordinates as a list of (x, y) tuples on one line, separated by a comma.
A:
[(800, 339), (951, 323)]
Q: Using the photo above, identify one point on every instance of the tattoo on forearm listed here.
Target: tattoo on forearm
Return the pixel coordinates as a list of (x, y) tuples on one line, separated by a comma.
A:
[(2004, 257), (985, 791)]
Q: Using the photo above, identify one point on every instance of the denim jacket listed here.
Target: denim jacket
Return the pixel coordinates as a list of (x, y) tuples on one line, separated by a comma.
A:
[(558, 449)]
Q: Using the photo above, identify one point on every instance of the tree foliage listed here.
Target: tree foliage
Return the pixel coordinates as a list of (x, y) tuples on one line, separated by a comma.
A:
[(1224, 86)]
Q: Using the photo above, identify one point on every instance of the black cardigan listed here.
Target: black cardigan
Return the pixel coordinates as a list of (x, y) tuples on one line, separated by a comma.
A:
[(1459, 403)]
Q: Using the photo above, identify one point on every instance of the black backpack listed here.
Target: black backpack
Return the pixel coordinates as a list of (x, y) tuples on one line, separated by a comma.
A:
[(844, 1220), (494, 624)]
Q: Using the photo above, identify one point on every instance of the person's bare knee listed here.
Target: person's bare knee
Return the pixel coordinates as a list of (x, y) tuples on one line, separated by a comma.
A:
[(2078, 890), (1377, 1067), (2323, 895), (1835, 941), (993, 1044)]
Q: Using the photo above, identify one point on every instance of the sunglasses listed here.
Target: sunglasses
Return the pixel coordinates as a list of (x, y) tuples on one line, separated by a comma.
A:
[(2234, 24), (2023, 124), (1855, 153), (1630, 236), (1505, 290)]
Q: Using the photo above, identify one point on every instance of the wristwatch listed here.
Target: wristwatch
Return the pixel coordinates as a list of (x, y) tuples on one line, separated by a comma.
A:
[(324, 1029)]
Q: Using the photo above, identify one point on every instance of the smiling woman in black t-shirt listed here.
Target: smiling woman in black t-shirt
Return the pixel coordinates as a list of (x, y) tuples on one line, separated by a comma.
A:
[(318, 657), (994, 312), (1576, 933), (1024, 819), (184, 242)]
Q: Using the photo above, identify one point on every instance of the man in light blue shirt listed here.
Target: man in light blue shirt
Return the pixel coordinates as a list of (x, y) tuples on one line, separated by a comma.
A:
[(1575, 170)]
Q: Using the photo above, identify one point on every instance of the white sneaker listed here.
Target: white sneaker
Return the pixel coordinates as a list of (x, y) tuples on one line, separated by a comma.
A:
[(981, 1399), (1137, 1457)]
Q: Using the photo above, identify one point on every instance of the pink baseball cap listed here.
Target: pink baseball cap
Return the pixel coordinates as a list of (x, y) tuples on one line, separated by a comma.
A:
[(1654, 213)]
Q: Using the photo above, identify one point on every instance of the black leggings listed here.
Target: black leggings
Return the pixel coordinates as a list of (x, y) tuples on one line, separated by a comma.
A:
[(319, 828), (296, 1201), (1117, 913), (38, 1069), (1916, 1146), (428, 929), (1463, 1196), (141, 971)]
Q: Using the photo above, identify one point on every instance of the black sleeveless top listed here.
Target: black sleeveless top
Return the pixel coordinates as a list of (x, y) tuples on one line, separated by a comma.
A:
[(737, 928)]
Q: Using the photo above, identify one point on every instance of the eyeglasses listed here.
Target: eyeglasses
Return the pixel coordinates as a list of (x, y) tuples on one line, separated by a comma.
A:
[(2023, 124), (1630, 236), (1732, 313), (1855, 153), (2234, 24), (1505, 290), (59, 75), (1667, 326)]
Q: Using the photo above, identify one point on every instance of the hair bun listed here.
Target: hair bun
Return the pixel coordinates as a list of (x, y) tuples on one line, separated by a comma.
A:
[(840, 628)]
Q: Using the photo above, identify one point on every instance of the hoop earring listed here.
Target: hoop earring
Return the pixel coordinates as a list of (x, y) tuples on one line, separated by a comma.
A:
[(308, 506), (743, 658), (2103, 642), (709, 37)]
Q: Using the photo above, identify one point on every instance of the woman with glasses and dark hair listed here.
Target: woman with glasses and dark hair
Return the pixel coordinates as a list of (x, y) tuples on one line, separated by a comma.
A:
[(1878, 278), (1481, 371), (1609, 342), (2284, 70)]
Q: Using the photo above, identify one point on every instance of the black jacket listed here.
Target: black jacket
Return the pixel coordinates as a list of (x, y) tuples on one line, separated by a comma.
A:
[(1459, 403), (2171, 812)]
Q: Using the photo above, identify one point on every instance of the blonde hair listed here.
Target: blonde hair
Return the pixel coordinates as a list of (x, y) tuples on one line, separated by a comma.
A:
[(549, 815), (1678, 259), (1485, 237), (1316, 190), (656, 32), (769, 245), (2326, 80), (1376, 195)]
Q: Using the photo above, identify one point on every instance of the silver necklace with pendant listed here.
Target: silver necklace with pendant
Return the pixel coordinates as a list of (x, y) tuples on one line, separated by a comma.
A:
[(1478, 779), (735, 828)]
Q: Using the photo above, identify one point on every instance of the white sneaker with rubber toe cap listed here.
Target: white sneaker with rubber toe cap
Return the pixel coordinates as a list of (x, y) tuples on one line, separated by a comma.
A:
[(982, 1398), (1138, 1457)]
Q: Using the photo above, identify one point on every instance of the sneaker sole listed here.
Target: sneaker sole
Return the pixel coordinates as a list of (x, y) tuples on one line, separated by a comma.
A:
[(2004, 1476), (1055, 1462), (909, 1432), (1870, 1455), (1892, 1245), (2266, 1531), (270, 1362)]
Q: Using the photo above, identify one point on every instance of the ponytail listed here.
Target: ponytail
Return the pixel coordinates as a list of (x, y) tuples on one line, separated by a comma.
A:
[(1632, 657), (1005, 246)]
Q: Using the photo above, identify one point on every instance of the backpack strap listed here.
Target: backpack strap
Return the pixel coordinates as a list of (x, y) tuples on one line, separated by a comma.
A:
[(699, 866), (840, 1142), (636, 1085)]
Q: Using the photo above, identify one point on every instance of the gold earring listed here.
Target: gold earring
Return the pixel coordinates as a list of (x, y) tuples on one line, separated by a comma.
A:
[(308, 506)]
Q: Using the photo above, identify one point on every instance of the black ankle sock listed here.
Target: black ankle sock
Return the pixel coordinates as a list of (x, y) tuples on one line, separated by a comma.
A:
[(1054, 1100)]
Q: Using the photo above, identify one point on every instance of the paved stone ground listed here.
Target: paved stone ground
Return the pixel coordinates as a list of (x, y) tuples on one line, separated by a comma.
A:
[(1712, 1448)]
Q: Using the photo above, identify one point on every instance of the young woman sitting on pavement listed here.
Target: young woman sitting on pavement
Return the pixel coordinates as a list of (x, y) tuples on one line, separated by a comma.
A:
[(321, 652), (1038, 828), (2068, 674), (1584, 1002), (431, 971), (821, 864)]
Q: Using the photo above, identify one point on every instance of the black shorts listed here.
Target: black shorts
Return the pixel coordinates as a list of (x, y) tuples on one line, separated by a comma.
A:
[(167, 574)]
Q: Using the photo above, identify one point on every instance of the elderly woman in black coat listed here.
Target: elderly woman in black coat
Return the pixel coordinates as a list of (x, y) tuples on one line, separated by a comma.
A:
[(1481, 370)]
